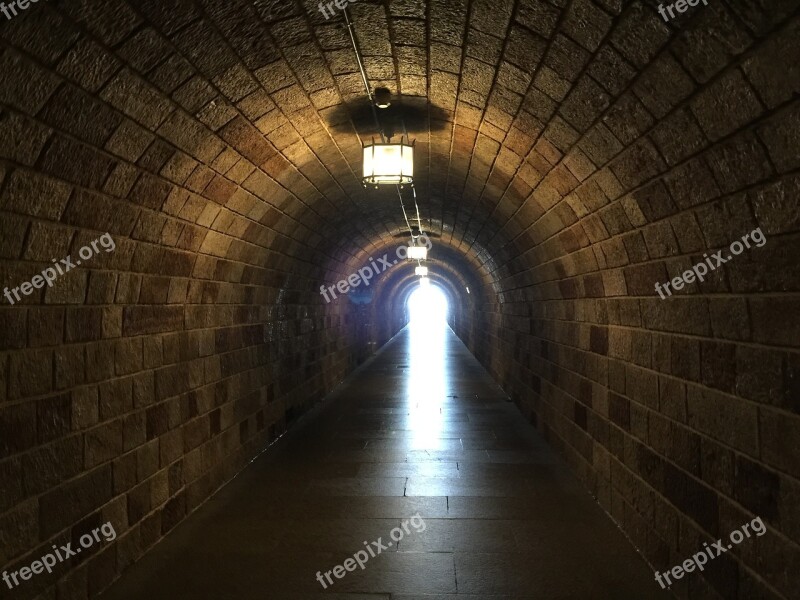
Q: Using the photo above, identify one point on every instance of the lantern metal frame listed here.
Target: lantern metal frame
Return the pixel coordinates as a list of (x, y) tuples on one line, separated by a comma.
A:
[(401, 179), (417, 250)]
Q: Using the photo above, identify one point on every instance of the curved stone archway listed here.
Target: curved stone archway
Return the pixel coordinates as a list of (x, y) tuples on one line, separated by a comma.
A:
[(571, 155)]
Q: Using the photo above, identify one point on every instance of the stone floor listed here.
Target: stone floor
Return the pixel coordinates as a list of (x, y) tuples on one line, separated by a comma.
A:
[(427, 434)]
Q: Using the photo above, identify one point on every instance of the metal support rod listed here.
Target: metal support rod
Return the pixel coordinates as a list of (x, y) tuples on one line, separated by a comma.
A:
[(363, 72), (419, 220), (405, 215)]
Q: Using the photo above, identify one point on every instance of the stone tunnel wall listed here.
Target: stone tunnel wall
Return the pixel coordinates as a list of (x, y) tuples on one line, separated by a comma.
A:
[(680, 415), (588, 152), (144, 379)]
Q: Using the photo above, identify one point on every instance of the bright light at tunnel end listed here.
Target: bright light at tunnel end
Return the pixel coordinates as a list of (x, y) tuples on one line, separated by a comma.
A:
[(427, 307)]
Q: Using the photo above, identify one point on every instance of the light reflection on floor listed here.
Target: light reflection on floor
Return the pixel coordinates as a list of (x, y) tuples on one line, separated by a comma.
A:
[(427, 384)]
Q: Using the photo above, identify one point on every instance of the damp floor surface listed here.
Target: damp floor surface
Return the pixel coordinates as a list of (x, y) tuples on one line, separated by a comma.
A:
[(426, 434)]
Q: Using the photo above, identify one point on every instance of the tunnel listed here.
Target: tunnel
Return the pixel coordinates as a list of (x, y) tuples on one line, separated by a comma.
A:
[(216, 217)]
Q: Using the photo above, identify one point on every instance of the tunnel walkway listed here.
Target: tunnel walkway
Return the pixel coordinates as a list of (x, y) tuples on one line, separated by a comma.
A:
[(424, 437)]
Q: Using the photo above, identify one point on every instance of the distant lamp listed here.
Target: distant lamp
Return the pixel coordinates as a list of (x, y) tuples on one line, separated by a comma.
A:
[(424, 281), (383, 97), (416, 251), (421, 271), (388, 164)]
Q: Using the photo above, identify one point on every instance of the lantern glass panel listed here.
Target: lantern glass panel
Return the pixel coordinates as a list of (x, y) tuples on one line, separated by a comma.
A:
[(417, 252), (388, 164)]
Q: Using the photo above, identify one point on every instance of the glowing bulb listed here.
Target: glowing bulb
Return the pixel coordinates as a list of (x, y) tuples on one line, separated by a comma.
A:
[(417, 252), (388, 163)]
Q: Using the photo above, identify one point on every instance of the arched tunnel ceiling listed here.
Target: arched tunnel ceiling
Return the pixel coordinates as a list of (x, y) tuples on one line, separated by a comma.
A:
[(570, 155), (542, 128)]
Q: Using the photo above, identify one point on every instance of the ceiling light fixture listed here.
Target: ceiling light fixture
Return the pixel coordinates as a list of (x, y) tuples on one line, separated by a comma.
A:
[(383, 97), (388, 164), (417, 250), (385, 163)]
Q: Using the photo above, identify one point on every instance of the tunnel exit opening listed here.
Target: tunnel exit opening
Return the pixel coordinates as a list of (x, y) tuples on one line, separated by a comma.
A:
[(427, 308)]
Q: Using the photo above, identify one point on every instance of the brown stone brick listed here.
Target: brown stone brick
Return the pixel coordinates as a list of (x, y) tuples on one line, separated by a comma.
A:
[(134, 430), (768, 329), (159, 488), (116, 398), (54, 417), (77, 163), (12, 492), (84, 324), (101, 288), (70, 366), (759, 375), (171, 446), (138, 320), (12, 324), (128, 356), (738, 162), (45, 326), (724, 418), (49, 465), (138, 502), (642, 386), (778, 435), (196, 432), (143, 389), (74, 500), (756, 487), (619, 410), (21, 531), (104, 443), (726, 105), (173, 512), (718, 368), (31, 373), (124, 472), (157, 423), (22, 139), (147, 459)]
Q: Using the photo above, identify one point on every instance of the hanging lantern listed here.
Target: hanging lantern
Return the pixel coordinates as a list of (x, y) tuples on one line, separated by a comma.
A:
[(421, 271), (424, 281), (416, 250), (388, 164)]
